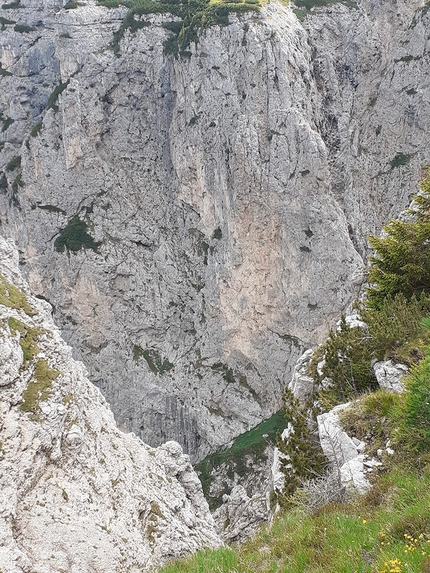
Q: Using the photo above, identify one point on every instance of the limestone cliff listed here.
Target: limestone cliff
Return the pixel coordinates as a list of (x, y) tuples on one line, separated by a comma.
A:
[(76, 493), (221, 200)]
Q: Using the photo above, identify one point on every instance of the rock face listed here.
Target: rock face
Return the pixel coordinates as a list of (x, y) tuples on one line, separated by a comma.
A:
[(389, 375), (77, 494), (240, 516), (221, 201), (345, 454)]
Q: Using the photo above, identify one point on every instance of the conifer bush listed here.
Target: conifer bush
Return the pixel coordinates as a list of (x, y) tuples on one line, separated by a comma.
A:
[(402, 257), (302, 457)]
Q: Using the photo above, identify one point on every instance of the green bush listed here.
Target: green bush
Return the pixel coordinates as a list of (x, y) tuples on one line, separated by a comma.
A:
[(302, 454), (402, 257), (74, 237), (52, 100), (347, 355), (14, 163), (395, 328), (195, 15), (400, 159), (24, 29), (11, 5), (414, 415), (36, 129), (7, 123)]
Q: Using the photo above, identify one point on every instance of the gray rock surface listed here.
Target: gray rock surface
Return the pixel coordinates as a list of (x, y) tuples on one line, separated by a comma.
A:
[(76, 493), (302, 385), (345, 454), (240, 516), (228, 195), (389, 375)]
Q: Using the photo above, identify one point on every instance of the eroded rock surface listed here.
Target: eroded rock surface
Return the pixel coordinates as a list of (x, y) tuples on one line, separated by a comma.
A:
[(76, 493), (221, 201)]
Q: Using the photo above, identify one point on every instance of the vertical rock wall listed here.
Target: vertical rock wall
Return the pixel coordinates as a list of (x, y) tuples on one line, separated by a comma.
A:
[(224, 197)]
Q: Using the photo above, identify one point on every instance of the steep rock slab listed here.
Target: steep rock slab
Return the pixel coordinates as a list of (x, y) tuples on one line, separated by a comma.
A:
[(76, 493), (218, 199)]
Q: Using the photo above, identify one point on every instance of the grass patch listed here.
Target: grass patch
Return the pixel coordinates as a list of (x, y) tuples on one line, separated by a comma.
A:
[(28, 338), (12, 297), (338, 539), (40, 388), (250, 444), (308, 4), (372, 419), (217, 234), (72, 5), (74, 237)]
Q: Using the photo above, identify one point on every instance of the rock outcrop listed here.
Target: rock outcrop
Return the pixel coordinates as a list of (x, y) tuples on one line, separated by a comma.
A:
[(345, 454), (390, 376), (199, 222), (76, 493)]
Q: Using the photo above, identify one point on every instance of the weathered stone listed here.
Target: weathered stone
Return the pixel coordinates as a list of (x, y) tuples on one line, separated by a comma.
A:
[(344, 453), (240, 516), (231, 193), (389, 375), (76, 493), (301, 384)]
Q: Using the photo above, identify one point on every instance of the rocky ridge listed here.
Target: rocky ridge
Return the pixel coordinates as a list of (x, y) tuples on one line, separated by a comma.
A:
[(218, 204), (76, 493)]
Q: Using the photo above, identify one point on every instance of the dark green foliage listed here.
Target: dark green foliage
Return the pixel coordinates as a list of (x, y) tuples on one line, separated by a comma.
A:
[(18, 182), (14, 163), (3, 23), (7, 123), (347, 353), (227, 372), (74, 237), (308, 4), (302, 454), (395, 328), (110, 3), (52, 100), (217, 234), (251, 444), (400, 159), (72, 5), (194, 14), (402, 258), (11, 5), (52, 209), (3, 181), (416, 411), (23, 28), (155, 362), (36, 129)]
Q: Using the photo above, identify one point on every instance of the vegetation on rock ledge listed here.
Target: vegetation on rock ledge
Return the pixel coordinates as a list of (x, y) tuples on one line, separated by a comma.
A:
[(193, 15)]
